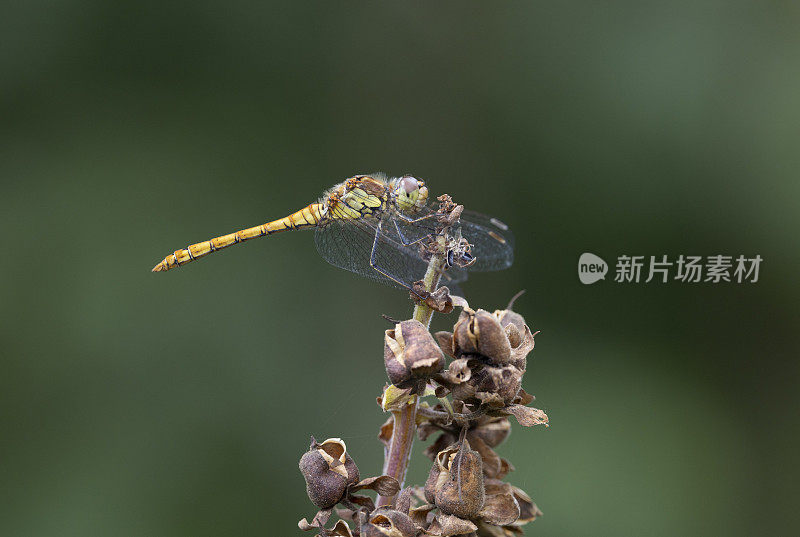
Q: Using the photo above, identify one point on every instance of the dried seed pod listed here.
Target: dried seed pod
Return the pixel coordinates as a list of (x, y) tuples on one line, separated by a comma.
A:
[(449, 525), (388, 522), (441, 460), (458, 372), (522, 343), (481, 333), (519, 335), (459, 486), (328, 470), (509, 317), (410, 352), (501, 507), (505, 382)]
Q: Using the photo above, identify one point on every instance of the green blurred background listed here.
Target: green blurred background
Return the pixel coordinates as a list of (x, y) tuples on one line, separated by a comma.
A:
[(178, 404)]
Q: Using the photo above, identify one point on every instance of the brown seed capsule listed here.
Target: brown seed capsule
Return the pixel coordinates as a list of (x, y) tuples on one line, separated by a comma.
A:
[(482, 333), (328, 470), (410, 352), (501, 507), (519, 336), (441, 458), (450, 525), (505, 382), (509, 317), (459, 486), (387, 522)]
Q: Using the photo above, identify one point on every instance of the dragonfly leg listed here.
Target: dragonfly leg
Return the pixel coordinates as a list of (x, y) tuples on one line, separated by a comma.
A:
[(409, 220), (442, 271), (403, 238)]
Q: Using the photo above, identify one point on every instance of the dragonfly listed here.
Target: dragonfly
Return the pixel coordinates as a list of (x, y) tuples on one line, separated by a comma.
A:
[(378, 227)]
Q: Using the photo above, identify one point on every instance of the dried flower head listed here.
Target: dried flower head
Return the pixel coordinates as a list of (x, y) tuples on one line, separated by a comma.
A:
[(465, 493), (328, 470), (492, 508), (497, 338), (483, 434), (490, 357), (501, 507), (411, 355), (458, 489), (388, 522), (480, 332)]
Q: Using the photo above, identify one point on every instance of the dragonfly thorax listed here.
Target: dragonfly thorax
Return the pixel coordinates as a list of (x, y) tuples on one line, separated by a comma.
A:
[(370, 195), (357, 197)]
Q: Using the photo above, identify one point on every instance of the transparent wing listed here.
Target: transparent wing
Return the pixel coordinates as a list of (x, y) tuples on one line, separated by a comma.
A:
[(372, 248), (492, 241), (387, 248)]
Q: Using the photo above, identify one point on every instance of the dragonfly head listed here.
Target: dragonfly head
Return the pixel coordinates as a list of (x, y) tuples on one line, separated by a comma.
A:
[(410, 193)]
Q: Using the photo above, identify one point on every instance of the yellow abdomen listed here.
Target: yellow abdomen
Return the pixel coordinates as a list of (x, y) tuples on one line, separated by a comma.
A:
[(306, 217)]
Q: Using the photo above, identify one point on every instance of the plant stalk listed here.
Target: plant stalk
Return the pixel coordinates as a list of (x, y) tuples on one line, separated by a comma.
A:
[(405, 420)]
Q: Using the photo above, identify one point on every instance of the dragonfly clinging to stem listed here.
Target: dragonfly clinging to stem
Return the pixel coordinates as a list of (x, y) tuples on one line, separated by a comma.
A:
[(379, 228)]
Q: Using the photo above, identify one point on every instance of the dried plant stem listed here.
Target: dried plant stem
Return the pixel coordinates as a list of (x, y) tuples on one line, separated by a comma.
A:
[(405, 420), (422, 312)]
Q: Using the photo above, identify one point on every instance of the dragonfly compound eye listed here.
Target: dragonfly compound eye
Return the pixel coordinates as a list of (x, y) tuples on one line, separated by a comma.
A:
[(409, 184)]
